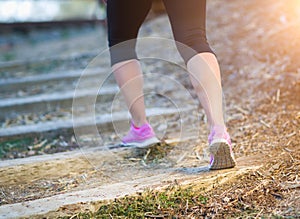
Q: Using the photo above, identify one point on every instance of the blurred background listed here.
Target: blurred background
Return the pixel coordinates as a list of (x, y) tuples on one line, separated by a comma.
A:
[(34, 21), (16, 11)]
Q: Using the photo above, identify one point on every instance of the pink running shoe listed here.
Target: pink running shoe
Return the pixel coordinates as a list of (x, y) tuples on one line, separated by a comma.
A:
[(220, 149), (140, 137)]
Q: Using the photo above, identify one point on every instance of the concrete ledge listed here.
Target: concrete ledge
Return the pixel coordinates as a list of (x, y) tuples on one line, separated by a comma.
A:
[(13, 84), (49, 102), (103, 122), (42, 206)]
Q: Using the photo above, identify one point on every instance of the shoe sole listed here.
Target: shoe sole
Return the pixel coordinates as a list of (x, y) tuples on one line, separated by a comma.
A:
[(147, 143), (223, 158)]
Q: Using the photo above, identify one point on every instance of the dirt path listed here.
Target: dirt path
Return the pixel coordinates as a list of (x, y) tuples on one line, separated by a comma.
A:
[(78, 181)]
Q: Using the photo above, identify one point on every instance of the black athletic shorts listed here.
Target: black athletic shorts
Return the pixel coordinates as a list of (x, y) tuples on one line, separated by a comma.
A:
[(125, 17)]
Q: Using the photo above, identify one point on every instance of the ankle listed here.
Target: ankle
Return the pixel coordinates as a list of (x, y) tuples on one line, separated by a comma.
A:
[(218, 128), (139, 123)]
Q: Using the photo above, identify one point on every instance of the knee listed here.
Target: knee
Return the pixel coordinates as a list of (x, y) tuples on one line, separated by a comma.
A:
[(122, 51), (192, 42)]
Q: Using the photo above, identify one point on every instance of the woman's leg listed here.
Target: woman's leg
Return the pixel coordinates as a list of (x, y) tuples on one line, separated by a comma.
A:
[(205, 77), (188, 23), (129, 77), (124, 19)]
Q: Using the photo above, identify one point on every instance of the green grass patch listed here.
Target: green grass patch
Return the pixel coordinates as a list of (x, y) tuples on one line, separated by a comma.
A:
[(9, 56), (173, 202), (30, 146), (15, 146)]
